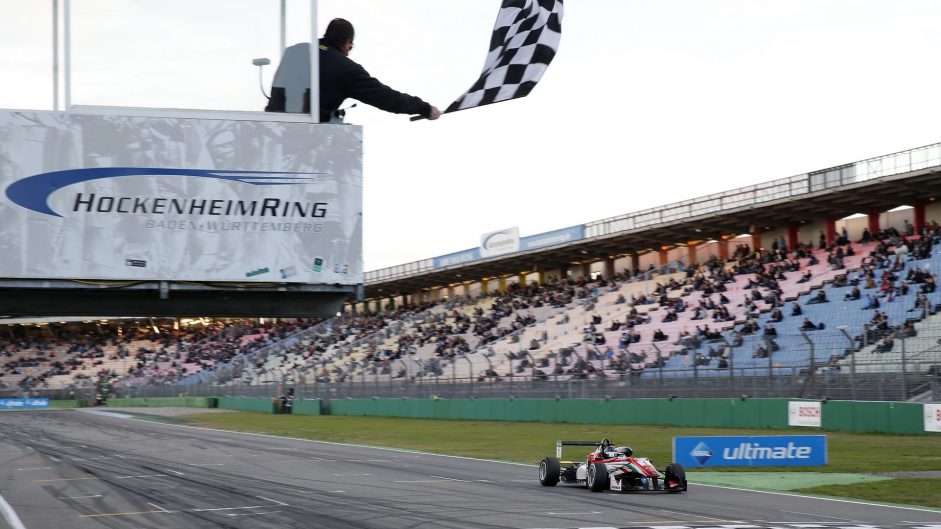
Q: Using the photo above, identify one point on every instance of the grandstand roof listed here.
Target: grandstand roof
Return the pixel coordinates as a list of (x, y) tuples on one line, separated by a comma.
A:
[(841, 194)]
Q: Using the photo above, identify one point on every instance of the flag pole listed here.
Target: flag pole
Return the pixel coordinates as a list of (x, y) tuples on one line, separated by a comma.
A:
[(314, 65)]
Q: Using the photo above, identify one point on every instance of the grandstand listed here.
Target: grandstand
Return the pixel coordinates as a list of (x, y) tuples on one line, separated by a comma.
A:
[(692, 298)]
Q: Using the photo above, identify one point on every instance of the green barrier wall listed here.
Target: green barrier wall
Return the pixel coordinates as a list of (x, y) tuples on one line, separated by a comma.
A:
[(887, 417), (161, 402), (68, 403), (308, 407), (261, 405), (264, 405)]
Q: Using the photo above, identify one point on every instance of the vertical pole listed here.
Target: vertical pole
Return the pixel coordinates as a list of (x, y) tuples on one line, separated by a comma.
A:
[(55, 54), (67, 37), (314, 65), (284, 10)]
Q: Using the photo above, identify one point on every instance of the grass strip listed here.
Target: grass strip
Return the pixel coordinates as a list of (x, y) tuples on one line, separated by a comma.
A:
[(528, 442), (910, 491)]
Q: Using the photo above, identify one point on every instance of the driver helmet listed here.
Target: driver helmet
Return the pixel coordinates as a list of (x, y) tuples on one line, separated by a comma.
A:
[(625, 451)]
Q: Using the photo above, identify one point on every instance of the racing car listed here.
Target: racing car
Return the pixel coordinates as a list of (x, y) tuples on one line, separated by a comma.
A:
[(610, 467)]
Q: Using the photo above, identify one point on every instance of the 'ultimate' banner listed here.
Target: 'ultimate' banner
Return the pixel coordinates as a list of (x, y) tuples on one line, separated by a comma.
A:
[(769, 450)]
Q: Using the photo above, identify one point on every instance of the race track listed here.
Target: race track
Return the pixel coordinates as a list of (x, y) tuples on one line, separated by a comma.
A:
[(80, 470)]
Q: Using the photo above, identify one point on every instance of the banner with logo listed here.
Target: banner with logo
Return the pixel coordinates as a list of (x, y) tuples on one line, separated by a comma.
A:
[(736, 451), (804, 413), (23, 404), (932, 417), (145, 198), (500, 242)]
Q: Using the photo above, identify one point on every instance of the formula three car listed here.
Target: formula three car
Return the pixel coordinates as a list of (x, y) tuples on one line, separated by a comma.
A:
[(610, 467)]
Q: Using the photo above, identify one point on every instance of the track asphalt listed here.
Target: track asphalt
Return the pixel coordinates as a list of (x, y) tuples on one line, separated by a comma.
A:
[(68, 468)]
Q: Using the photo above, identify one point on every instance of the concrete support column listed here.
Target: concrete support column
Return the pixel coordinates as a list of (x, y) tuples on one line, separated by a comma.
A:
[(919, 220), (723, 249), (662, 257), (522, 278), (635, 260), (873, 221), (756, 239), (691, 252), (563, 273), (586, 271), (377, 305), (792, 235), (831, 230), (501, 285), (450, 291), (541, 277), (485, 286), (609, 268)]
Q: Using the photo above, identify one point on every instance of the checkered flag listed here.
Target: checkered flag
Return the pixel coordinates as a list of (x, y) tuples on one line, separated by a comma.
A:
[(525, 39)]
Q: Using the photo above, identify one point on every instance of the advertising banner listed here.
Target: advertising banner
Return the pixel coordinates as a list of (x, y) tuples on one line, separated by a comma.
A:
[(803, 413), (23, 404), (769, 450), (500, 242), (165, 198), (553, 238), (932, 417)]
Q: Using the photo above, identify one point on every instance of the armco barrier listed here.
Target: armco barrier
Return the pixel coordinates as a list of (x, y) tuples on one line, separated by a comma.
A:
[(886, 417), (163, 402)]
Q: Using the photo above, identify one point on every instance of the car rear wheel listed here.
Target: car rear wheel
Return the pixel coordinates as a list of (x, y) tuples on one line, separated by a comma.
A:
[(549, 470), (674, 479), (597, 477)]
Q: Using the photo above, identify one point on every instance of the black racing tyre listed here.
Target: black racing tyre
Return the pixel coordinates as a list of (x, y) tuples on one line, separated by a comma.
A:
[(549, 470), (597, 477), (674, 479)]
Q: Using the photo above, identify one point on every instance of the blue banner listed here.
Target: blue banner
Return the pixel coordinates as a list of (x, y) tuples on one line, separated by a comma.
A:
[(23, 404), (457, 258), (765, 451), (552, 238)]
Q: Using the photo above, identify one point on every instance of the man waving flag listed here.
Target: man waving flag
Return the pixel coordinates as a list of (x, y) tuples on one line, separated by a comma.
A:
[(525, 39)]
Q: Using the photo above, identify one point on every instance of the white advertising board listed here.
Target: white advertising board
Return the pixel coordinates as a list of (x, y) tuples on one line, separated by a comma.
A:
[(500, 242), (182, 199), (932, 417), (800, 413)]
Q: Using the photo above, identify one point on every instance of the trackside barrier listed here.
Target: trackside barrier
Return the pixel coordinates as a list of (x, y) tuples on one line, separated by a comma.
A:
[(256, 404), (884, 417), (265, 405), (80, 403), (163, 402), (23, 404)]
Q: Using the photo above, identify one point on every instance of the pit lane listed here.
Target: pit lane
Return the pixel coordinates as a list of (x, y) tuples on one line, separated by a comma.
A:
[(73, 469)]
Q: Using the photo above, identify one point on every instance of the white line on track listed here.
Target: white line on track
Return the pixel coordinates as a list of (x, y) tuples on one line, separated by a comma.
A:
[(254, 513), (155, 506), (690, 514), (820, 516), (54, 459), (35, 468), (79, 497), (273, 501), (142, 476), (229, 508), (207, 464), (10, 515), (173, 472), (572, 513)]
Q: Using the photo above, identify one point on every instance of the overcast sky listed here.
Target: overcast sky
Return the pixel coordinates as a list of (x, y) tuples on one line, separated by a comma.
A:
[(647, 102)]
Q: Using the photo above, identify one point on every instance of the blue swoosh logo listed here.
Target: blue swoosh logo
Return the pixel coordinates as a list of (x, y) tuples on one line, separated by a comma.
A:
[(33, 192)]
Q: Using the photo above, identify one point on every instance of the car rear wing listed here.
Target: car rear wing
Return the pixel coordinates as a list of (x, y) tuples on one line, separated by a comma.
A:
[(560, 444)]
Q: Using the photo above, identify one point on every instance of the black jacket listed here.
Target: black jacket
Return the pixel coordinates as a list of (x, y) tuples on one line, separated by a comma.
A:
[(341, 78)]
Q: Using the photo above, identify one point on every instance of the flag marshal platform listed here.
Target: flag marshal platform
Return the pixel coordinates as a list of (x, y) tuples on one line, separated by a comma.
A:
[(161, 213)]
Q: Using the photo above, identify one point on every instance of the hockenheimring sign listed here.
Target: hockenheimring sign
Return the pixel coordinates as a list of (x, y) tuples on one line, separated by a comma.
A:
[(117, 197)]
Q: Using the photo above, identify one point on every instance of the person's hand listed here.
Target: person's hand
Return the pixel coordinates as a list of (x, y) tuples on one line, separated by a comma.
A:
[(435, 113)]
